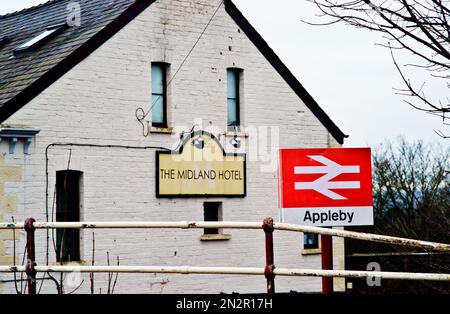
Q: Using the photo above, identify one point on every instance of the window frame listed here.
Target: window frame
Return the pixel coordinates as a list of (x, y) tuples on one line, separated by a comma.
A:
[(237, 72), (314, 246), (164, 66), (32, 44), (219, 214), (74, 233)]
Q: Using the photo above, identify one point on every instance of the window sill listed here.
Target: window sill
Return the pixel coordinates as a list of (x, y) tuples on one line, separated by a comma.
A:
[(234, 133), (215, 237), (161, 130), (311, 251)]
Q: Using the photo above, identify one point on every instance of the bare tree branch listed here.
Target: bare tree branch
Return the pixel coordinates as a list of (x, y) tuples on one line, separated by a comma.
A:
[(417, 26)]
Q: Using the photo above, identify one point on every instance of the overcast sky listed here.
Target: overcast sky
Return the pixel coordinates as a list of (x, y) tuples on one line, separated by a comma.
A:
[(350, 77)]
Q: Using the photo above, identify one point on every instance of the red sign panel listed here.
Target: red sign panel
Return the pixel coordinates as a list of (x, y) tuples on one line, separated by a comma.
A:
[(328, 179)]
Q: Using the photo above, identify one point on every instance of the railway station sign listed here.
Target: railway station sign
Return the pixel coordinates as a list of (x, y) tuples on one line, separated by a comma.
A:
[(326, 186)]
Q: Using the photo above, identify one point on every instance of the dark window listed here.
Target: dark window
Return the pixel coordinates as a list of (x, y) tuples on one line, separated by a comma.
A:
[(68, 191), (40, 39), (159, 95), (212, 212), (310, 241), (233, 98)]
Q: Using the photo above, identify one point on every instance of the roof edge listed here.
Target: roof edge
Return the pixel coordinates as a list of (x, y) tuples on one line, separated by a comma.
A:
[(34, 89), (283, 70), (78, 55)]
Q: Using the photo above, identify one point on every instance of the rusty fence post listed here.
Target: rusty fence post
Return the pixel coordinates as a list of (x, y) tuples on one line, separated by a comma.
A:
[(327, 262), (270, 266), (31, 256)]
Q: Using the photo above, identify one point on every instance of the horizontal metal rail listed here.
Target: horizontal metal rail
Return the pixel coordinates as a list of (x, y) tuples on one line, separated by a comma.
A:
[(252, 271), (365, 236), (233, 225), (269, 271), (137, 225)]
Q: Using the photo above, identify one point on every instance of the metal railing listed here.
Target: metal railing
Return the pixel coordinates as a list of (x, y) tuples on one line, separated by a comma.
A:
[(269, 271)]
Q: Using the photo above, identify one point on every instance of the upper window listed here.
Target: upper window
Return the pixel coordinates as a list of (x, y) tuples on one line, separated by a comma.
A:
[(40, 39), (159, 95), (233, 98)]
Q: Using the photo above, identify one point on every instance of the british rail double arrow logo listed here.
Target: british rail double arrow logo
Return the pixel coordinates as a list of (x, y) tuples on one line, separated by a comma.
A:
[(324, 185)]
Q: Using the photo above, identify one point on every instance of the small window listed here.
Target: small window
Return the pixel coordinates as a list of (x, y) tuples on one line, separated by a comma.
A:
[(310, 241), (40, 39), (68, 207), (212, 212), (233, 98), (159, 95)]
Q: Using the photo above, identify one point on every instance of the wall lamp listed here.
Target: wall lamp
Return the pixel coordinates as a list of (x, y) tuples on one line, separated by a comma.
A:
[(199, 142), (236, 141)]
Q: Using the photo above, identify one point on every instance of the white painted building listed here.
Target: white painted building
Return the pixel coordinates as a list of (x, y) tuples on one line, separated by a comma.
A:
[(85, 83)]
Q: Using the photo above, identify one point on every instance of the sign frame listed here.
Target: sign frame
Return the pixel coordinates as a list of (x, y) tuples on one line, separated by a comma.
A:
[(319, 174), (186, 141)]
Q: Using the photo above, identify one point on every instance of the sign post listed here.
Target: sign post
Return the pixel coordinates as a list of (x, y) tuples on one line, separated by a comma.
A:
[(326, 187), (327, 262)]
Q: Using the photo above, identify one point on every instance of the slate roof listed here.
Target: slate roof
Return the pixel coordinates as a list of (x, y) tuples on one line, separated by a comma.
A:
[(26, 75), (19, 73)]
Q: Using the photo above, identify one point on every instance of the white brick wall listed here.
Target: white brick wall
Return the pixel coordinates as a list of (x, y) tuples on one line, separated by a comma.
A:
[(95, 103)]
